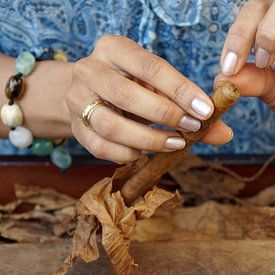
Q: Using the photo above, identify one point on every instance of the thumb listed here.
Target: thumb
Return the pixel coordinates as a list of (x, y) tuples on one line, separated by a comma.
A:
[(254, 82)]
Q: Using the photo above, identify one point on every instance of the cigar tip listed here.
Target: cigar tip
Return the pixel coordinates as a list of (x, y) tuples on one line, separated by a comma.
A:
[(230, 90)]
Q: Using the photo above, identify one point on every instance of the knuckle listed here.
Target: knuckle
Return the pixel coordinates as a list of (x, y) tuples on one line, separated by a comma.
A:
[(269, 95), (123, 93), (151, 67), (148, 142), (99, 149), (270, 100), (83, 68), (238, 35), (106, 127), (79, 68), (106, 40), (129, 156), (165, 113), (181, 92), (267, 34)]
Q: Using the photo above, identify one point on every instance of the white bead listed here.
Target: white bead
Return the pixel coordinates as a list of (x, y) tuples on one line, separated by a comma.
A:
[(21, 137), (11, 115)]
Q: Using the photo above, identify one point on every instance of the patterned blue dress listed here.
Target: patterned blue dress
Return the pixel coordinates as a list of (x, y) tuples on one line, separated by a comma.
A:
[(187, 33)]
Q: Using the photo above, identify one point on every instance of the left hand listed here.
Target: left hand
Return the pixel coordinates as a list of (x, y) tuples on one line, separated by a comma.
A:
[(253, 27)]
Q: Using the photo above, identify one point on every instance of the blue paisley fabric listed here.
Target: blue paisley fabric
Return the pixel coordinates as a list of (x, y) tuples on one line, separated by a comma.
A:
[(188, 33)]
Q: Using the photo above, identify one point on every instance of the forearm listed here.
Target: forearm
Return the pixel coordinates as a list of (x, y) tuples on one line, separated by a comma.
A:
[(43, 103)]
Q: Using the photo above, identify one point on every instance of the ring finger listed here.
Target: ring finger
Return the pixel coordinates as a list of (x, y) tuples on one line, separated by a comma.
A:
[(101, 148)]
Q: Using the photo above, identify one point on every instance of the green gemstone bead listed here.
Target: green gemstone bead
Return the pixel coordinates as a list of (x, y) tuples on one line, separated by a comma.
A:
[(61, 157), (42, 147), (25, 63)]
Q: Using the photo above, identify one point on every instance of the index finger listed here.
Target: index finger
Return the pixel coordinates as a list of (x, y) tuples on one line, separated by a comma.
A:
[(130, 57), (241, 37)]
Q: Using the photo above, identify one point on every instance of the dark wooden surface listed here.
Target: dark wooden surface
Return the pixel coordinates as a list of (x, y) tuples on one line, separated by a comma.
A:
[(166, 258), (85, 173), (239, 257), (74, 182)]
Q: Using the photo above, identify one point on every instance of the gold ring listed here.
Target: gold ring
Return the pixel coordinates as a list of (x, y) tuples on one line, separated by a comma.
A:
[(90, 108)]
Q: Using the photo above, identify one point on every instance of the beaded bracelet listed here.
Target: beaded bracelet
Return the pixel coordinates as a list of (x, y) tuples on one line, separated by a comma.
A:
[(12, 115)]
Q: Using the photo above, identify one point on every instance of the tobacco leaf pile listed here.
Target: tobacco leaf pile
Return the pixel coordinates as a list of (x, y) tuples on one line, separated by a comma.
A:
[(195, 201), (36, 216)]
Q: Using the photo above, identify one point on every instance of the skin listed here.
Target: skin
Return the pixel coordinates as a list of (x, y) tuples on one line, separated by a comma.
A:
[(143, 88), (69, 87), (253, 27), (45, 111)]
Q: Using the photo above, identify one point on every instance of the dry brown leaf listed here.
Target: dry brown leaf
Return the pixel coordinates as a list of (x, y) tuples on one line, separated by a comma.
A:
[(156, 199), (84, 243), (264, 198), (46, 198), (51, 215), (196, 177), (116, 220), (209, 221), (10, 207), (26, 232)]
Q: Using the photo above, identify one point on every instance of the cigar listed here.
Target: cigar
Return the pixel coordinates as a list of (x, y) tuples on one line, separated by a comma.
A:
[(224, 96)]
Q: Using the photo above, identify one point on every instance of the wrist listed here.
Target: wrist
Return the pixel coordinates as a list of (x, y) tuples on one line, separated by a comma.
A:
[(45, 111)]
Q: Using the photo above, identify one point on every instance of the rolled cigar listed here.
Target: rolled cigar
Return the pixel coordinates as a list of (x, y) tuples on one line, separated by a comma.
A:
[(224, 97)]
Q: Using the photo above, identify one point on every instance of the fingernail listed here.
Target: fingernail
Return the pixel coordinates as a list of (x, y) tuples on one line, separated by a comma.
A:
[(229, 64), (201, 107), (231, 135), (189, 123), (262, 58), (175, 143), (273, 66)]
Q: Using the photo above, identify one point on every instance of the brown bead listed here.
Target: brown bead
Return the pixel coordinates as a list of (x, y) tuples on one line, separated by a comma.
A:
[(14, 87)]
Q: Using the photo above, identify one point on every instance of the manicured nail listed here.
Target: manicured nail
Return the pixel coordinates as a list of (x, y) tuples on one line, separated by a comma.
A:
[(229, 64), (231, 135), (273, 66), (175, 143), (262, 58), (201, 107), (189, 123)]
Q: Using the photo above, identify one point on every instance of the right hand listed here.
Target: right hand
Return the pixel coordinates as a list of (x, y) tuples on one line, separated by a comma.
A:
[(108, 74)]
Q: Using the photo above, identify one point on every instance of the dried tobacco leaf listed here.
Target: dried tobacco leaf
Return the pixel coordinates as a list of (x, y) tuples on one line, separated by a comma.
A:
[(197, 177), (26, 232), (264, 198), (46, 198), (10, 207), (116, 220), (156, 201), (209, 221), (84, 243), (44, 215)]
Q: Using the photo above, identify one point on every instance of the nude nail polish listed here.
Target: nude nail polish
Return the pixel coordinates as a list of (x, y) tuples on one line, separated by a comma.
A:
[(174, 144), (189, 123), (229, 64), (201, 107), (262, 58)]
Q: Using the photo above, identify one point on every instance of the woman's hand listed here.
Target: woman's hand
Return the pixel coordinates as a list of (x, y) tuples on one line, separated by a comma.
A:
[(108, 74), (253, 27)]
